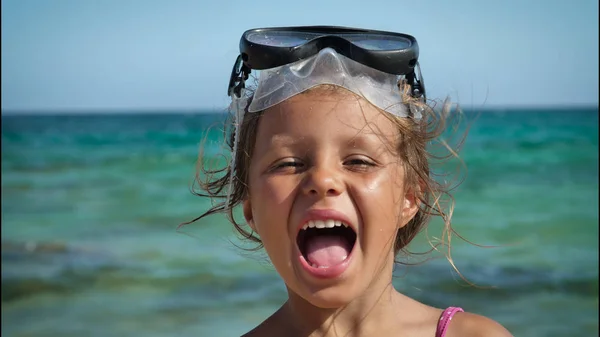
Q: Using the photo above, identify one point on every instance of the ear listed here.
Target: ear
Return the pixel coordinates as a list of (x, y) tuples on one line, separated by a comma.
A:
[(248, 214), (411, 205)]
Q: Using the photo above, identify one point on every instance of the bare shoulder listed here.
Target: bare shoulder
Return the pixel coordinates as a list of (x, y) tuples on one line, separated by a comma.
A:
[(264, 329), (272, 326), (254, 333), (472, 325), (261, 331)]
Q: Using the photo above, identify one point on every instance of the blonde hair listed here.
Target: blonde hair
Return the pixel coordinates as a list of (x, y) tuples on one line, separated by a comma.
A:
[(415, 136)]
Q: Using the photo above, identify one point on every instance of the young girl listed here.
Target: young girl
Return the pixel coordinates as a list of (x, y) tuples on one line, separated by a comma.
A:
[(330, 166)]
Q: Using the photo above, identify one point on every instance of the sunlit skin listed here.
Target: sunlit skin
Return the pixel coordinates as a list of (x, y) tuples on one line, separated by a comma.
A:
[(324, 150), (332, 150)]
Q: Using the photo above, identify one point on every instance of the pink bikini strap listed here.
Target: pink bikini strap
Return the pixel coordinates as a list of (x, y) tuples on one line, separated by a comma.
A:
[(445, 320)]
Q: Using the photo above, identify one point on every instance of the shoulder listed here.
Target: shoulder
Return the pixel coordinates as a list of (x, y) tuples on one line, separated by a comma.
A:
[(259, 331), (272, 326), (472, 325), (264, 329)]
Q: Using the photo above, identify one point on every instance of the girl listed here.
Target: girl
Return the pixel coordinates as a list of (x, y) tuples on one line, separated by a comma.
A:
[(329, 164)]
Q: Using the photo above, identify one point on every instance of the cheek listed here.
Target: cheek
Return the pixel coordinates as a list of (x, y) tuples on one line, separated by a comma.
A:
[(384, 194), (270, 198), (379, 201), (275, 190)]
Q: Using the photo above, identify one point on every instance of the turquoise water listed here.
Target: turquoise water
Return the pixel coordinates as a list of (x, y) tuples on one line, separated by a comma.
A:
[(90, 206)]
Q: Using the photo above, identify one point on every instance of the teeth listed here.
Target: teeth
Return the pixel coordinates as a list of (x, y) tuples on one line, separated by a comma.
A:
[(329, 223)]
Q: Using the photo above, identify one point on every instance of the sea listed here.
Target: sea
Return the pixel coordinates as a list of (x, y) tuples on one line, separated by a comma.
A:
[(91, 204)]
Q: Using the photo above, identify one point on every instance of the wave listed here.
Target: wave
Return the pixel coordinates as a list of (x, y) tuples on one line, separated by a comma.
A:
[(50, 268)]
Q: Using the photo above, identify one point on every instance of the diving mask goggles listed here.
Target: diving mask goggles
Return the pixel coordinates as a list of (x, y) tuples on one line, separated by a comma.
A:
[(378, 56), (292, 60)]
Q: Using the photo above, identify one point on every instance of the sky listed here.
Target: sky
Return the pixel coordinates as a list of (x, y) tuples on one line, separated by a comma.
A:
[(90, 55)]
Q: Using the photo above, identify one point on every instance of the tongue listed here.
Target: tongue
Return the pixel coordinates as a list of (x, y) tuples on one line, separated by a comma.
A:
[(327, 250)]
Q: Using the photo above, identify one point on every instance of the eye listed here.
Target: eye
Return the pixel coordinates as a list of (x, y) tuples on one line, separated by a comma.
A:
[(359, 164), (287, 165)]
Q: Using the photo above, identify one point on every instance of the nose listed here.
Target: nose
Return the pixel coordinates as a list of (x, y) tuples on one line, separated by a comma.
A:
[(322, 181)]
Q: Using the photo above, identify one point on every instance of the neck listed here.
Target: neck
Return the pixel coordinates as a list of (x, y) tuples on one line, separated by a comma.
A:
[(368, 315)]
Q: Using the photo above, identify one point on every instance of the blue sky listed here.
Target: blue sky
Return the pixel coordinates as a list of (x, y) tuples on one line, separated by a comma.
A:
[(177, 55)]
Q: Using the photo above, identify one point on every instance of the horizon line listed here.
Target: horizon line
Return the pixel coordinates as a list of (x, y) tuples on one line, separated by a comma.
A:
[(159, 111)]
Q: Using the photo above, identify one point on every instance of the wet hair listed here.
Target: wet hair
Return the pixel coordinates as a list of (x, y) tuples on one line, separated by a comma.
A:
[(419, 145)]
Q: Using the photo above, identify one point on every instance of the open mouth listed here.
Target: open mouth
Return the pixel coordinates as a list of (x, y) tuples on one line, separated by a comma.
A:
[(326, 243)]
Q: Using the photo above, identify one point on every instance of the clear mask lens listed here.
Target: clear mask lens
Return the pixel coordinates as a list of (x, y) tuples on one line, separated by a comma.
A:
[(296, 38), (378, 42), (281, 38)]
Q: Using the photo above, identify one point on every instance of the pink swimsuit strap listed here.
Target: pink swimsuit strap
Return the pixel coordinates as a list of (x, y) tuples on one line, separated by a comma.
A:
[(445, 319)]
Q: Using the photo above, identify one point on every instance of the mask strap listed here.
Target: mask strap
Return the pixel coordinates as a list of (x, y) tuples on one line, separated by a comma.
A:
[(417, 84)]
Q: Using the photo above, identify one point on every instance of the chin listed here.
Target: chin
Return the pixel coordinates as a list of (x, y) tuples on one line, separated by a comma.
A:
[(330, 297)]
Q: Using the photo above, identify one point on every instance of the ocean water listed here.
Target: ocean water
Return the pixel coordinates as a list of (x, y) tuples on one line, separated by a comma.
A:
[(91, 203)]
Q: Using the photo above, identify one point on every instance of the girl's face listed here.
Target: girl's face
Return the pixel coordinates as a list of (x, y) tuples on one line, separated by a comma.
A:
[(327, 159)]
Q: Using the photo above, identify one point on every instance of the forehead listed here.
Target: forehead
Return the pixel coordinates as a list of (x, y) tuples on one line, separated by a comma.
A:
[(330, 111)]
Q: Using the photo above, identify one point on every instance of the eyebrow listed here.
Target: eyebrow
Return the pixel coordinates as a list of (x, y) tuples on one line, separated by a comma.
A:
[(280, 140), (367, 139), (363, 141), (373, 142)]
